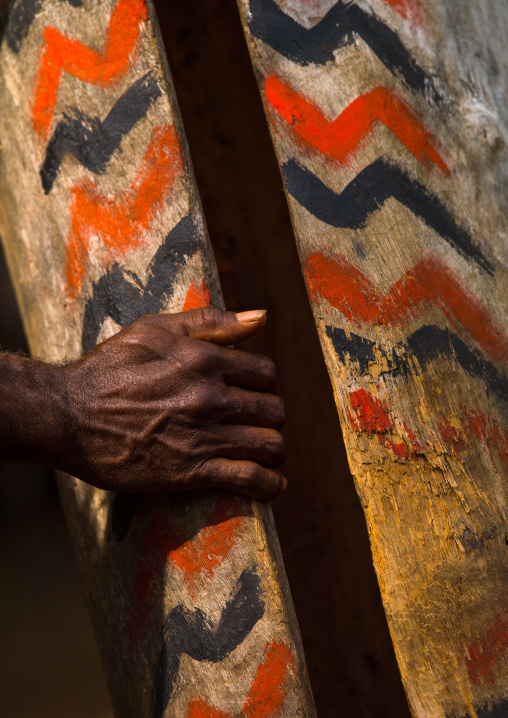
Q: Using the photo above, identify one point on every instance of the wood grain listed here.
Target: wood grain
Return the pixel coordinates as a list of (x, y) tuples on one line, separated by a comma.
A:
[(101, 222), (389, 122)]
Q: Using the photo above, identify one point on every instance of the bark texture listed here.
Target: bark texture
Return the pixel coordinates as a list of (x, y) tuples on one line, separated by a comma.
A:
[(101, 223), (389, 122)]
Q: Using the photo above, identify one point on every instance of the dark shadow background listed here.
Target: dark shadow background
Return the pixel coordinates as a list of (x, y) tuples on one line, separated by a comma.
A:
[(320, 521), (49, 663), (48, 660)]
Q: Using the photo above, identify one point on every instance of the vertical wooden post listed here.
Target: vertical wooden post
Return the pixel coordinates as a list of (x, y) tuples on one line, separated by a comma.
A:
[(389, 122), (101, 223)]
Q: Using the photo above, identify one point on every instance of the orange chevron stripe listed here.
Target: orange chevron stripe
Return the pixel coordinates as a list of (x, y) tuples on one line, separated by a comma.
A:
[(429, 283), (267, 694), (60, 53), (195, 556), (340, 138), (122, 223)]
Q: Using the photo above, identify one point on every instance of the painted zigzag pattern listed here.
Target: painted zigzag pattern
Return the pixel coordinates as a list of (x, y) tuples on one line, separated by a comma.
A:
[(121, 223), (60, 53), (267, 693), (196, 556), (92, 141), (189, 632), (425, 345), (370, 189), (428, 284), (338, 139), (336, 30), (343, 285), (119, 294)]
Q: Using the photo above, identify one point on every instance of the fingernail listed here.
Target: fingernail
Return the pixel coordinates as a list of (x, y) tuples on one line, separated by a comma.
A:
[(254, 316), (284, 483)]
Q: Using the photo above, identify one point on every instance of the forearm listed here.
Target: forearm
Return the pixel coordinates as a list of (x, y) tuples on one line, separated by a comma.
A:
[(32, 410)]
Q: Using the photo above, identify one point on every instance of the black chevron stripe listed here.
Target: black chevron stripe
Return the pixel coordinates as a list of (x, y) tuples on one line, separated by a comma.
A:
[(120, 295), (20, 20), (426, 345), (335, 30), (189, 632), (93, 141), (368, 192)]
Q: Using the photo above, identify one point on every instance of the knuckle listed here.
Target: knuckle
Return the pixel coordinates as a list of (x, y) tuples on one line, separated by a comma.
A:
[(148, 319), (272, 483), (210, 401), (277, 446), (276, 410), (268, 369), (249, 473), (210, 315), (204, 397), (222, 401), (200, 469), (136, 337), (148, 324)]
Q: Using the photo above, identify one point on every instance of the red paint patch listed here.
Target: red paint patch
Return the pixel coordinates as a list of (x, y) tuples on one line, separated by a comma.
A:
[(479, 425), (194, 556), (372, 413), (488, 651), (414, 443), (374, 418), (208, 550), (122, 223), (196, 297), (340, 138), (429, 283), (60, 53), (267, 694), (409, 9), (451, 435), (499, 437), (352, 421), (400, 450), (475, 424)]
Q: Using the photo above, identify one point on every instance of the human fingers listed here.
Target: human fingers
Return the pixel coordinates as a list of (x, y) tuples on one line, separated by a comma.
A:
[(253, 408), (236, 368), (250, 443), (210, 324), (242, 477), (248, 371)]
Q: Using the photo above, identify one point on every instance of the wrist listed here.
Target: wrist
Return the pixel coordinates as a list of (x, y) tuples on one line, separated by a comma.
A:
[(33, 410)]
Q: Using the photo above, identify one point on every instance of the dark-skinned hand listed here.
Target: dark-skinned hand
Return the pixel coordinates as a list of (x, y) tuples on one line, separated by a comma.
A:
[(165, 405)]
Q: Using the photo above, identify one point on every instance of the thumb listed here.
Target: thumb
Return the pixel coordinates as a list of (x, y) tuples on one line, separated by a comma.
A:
[(212, 325)]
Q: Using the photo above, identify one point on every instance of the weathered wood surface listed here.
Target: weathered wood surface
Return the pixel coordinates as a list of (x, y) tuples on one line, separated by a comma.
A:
[(101, 223), (389, 119)]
